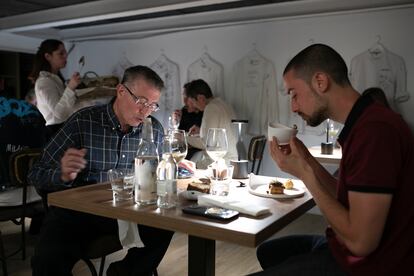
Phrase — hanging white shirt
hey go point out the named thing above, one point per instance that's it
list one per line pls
(170, 99)
(380, 68)
(55, 101)
(254, 92)
(210, 71)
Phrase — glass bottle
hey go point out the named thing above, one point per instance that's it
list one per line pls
(146, 162)
(167, 173)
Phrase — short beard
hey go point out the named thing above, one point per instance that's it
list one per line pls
(319, 115)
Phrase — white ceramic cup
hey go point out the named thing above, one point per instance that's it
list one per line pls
(281, 132)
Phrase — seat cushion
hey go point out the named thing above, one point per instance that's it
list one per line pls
(13, 197)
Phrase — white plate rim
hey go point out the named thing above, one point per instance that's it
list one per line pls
(299, 193)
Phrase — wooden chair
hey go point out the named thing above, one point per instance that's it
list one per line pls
(255, 152)
(20, 202)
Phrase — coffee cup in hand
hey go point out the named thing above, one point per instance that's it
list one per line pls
(281, 132)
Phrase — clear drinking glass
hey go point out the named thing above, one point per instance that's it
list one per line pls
(122, 183)
(216, 143)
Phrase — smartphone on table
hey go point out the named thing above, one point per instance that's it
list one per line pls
(211, 212)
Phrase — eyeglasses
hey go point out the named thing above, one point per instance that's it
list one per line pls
(142, 101)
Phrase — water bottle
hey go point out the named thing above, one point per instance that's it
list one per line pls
(167, 172)
(146, 162)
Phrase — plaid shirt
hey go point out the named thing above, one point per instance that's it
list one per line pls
(96, 129)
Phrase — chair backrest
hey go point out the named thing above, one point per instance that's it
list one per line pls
(20, 163)
(255, 153)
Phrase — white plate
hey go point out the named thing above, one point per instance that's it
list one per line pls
(258, 185)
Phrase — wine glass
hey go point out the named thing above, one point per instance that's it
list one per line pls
(174, 120)
(216, 143)
(178, 145)
(333, 130)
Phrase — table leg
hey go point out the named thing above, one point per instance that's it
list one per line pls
(201, 256)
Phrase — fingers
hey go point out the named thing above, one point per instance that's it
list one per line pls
(72, 163)
(188, 165)
(74, 81)
(194, 130)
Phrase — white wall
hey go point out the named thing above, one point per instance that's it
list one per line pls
(18, 43)
(279, 40)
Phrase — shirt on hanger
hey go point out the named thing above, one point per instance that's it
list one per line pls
(170, 99)
(254, 92)
(380, 68)
(210, 71)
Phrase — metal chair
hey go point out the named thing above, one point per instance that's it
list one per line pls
(255, 152)
(20, 202)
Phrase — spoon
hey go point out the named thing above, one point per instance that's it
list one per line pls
(81, 63)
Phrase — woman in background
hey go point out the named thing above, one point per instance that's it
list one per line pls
(54, 100)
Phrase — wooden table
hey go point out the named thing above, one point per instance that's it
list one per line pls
(333, 159)
(245, 230)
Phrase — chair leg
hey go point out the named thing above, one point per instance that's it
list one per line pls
(102, 265)
(253, 165)
(90, 266)
(23, 238)
(3, 256)
(258, 166)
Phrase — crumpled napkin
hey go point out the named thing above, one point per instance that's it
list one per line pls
(128, 234)
(258, 180)
(232, 203)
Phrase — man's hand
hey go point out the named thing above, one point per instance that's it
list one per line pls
(188, 165)
(72, 163)
(194, 130)
(292, 158)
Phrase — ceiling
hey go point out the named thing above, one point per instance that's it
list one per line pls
(77, 20)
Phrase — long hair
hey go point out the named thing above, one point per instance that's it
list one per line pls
(40, 63)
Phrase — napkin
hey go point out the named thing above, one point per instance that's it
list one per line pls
(257, 180)
(232, 203)
(128, 234)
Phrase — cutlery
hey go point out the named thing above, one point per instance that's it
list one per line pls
(241, 185)
(81, 63)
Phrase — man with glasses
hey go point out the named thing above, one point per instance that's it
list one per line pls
(92, 141)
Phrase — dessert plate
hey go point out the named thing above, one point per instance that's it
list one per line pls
(259, 185)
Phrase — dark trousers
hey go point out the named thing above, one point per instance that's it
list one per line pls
(66, 233)
(297, 255)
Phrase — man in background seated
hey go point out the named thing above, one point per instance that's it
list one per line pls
(188, 116)
(369, 207)
(92, 141)
(217, 114)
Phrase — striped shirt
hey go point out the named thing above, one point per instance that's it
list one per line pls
(98, 130)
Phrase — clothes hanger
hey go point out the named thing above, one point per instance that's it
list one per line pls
(377, 48)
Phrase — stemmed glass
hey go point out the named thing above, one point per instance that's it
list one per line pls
(216, 143)
(332, 130)
(178, 145)
(174, 121)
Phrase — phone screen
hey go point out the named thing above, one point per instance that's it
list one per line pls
(211, 212)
